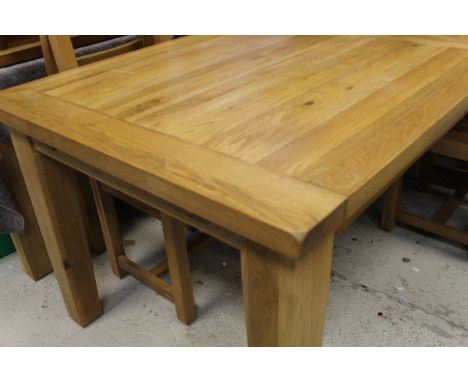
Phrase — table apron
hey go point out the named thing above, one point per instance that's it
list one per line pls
(152, 201)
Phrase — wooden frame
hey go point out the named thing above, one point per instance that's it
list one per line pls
(59, 53)
(453, 145)
(59, 56)
(308, 277)
(16, 49)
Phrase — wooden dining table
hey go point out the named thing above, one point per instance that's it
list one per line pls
(273, 144)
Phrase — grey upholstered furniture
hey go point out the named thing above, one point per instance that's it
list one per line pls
(11, 220)
(16, 213)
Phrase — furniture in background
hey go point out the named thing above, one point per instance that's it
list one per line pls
(59, 51)
(29, 243)
(452, 176)
(249, 139)
(16, 49)
(60, 56)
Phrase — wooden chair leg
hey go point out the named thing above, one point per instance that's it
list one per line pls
(30, 246)
(110, 227)
(93, 227)
(391, 200)
(179, 268)
(180, 290)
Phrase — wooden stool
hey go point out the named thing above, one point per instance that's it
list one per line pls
(59, 56)
(453, 145)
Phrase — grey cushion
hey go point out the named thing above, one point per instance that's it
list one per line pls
(4, 135)
(11, 220)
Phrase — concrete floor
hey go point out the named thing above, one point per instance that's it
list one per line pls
(424, 301)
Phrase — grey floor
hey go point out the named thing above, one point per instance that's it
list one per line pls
(423, 302)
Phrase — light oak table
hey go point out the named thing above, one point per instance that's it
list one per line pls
(271, 144)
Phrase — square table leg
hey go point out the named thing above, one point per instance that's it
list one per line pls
(56, 200)
(285, 300)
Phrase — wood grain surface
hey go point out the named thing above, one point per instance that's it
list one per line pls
(269, 137)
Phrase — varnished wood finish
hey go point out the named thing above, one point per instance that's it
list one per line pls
(62, 53)
(194, 177)
(16, 49)
(147, 277)
(19, 53)
(432, 226)
(180, 289)
(179, 268)
(48, 54)
(53, 189)
(285, 300)
(60, 56)
(270, 143)
(391, 200)
(59, 53)
(110, 227)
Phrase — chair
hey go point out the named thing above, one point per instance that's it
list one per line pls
(29, 244)
(16, 49)
(59, 53)
(59, 56)
(28, 241)
(453, 145)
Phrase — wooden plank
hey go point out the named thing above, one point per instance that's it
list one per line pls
(285, 300)
(153, 202)
(132, 202)
(193, 245)
(92, 224)
(433, 227)
(20, 53)
(154, 282)
(111, 52)
(460, 42)
(297, 93)
(390, 207)
(63, 52)
(53, 189)
(110, 227)
(18, 49)
(48, 54)
(449, 207)
(192, 177)
(179, 268)
(144, 59)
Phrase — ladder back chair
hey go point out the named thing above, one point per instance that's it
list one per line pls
(16, 49)
(59, 56)
(453, 145)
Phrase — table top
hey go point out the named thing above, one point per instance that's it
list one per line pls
(275, 138)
